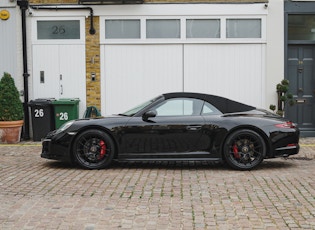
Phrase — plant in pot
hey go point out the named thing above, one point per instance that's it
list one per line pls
(11, 111)
(284, 97)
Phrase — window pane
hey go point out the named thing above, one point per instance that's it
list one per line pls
(163, 28)
(203, 28)
(301, 27)
(209, 109)
(180, 107)
(243, 28)
(122, 28)
(58, 29)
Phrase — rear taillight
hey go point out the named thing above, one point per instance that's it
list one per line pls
(286, 125)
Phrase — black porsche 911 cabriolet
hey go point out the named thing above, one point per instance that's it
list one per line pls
(176, 126)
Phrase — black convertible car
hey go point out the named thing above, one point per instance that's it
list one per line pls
(176, 126)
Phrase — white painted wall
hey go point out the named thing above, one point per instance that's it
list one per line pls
(8, 43)
(275, 50)
(11, 44)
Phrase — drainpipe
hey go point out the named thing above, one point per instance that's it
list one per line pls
(26, 132)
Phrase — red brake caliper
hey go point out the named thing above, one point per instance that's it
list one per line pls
(235, 152)
(103, 149)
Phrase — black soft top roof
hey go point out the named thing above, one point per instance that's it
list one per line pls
(223, 104)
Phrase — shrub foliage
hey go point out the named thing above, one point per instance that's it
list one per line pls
(11, 107)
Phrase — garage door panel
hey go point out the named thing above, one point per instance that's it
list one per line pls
(134, 73)
(230, 70)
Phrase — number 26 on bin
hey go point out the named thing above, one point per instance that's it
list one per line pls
(63, 116)
(39, 113)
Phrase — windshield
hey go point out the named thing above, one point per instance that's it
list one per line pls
(135, 110)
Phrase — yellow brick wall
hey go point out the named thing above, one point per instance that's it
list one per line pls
(93, 88)
(53, 1)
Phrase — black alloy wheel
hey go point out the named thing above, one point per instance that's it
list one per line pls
(244, 149)
(93, 149)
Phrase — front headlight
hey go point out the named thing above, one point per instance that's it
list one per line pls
(64, 127)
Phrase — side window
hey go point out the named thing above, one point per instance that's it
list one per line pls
(163, 28)
(203, 28)
(58, 29)
(243, 28)
(123, 29)
(209, 109)
(180, 107)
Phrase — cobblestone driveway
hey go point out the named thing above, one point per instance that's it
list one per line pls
(40, 194)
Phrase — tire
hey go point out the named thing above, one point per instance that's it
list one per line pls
(244, 149)
(93, 149)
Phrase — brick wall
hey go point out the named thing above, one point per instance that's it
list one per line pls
(93, 88)
(52, 1)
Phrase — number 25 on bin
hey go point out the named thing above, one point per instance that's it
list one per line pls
(63, 116)
(39, 113)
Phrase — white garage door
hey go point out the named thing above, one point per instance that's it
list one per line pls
(135, 73)
(143, 56)
(234, 71)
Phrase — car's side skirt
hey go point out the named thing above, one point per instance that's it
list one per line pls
(189, 156)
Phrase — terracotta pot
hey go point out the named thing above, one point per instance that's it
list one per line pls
(10, 131)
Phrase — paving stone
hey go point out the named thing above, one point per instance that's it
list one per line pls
(36, 193)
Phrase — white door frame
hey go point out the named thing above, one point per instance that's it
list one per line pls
(80, 42)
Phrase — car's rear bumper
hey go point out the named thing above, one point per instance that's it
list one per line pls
(287, 151)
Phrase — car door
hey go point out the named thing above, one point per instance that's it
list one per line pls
(174, 127)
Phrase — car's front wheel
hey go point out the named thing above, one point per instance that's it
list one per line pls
(93, 149)
(244, 149)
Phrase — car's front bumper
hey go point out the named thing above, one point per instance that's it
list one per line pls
(55, 149)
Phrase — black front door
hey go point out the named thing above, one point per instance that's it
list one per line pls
(301, 74)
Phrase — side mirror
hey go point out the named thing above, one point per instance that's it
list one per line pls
(148, 114)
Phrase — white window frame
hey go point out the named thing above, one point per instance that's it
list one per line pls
(182, 39)
(263, 29)
(35, 40)
(205, 18)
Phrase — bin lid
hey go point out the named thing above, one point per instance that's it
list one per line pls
(66, 101)
(41, 101)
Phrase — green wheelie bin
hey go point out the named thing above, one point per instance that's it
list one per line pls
(66, 109)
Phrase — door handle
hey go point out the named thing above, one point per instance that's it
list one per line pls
(193, 127)
(300, 69)
(61, 89)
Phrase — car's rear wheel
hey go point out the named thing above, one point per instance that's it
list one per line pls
(93, 149)
(244, 149)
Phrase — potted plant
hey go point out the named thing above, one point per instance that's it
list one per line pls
(11, 111)
(284, 97)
